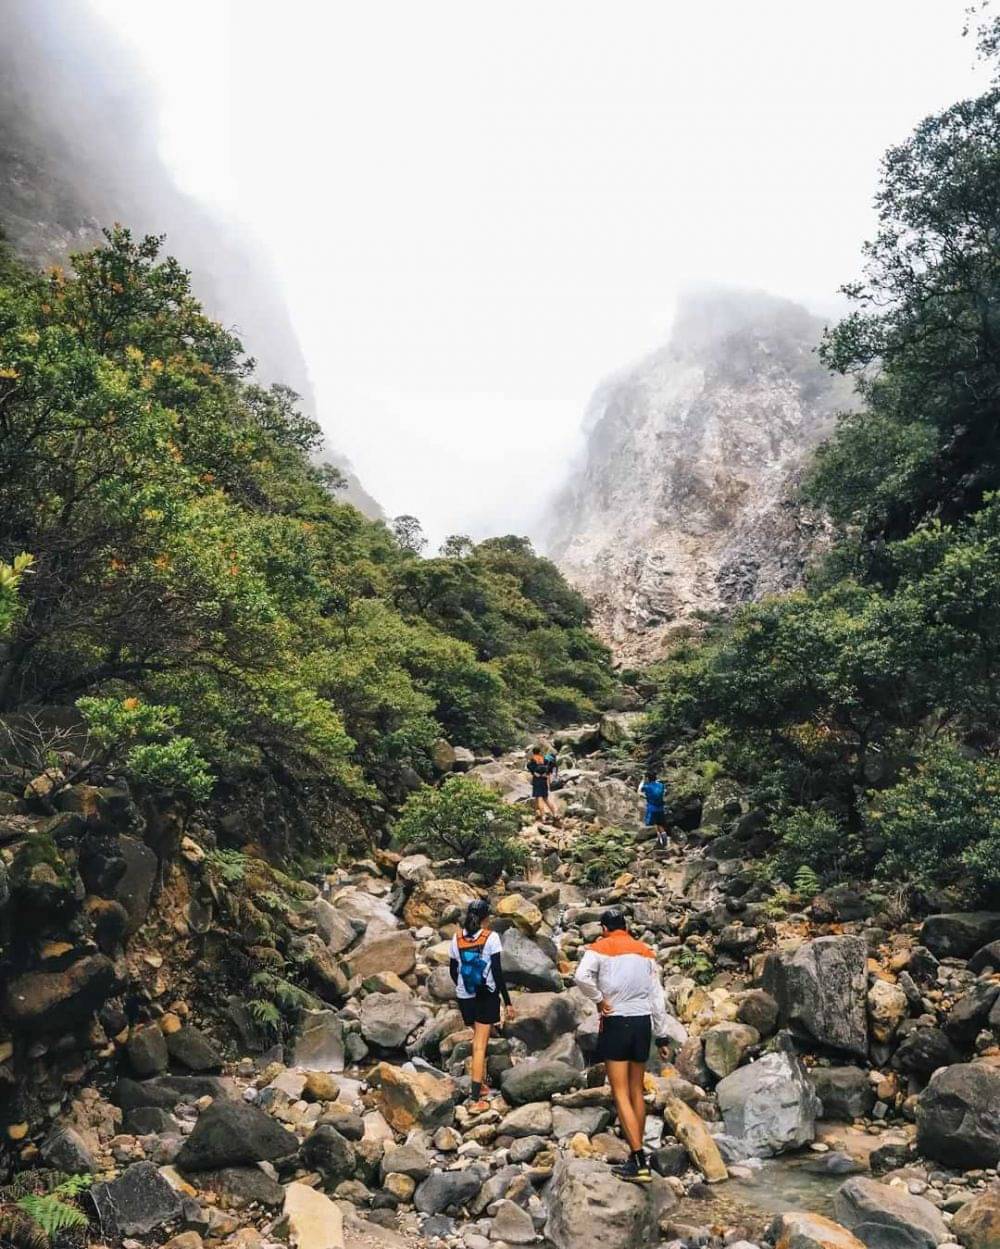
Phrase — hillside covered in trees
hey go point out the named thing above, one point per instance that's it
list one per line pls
(861, 714)
(176, 567)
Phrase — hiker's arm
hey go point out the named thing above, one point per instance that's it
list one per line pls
(498, 978)
(639, 790)
(586, 976)
(453, 968)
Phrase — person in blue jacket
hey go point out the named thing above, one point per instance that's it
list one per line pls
(655, 793)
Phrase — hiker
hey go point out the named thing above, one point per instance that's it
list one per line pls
(541, 770)
(552, 759)
(477, 974)
(654, 791)
(620, 975)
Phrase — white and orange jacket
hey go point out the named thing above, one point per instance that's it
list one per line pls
(621, 971)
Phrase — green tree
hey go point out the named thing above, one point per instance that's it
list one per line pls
(463, 819)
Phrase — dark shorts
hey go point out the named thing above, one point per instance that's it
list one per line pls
(656, 816)
(539, 788)
(483, 1008)
(625, 1039)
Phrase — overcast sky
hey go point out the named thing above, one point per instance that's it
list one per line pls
(477, 211)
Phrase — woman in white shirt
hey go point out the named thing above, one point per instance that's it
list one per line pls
(477, 973)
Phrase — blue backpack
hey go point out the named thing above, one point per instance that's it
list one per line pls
(471, 963)
(654, 791)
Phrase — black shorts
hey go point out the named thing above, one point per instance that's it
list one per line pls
(483, 1008)
(656, 817)
(539, 788)
(625, 1038)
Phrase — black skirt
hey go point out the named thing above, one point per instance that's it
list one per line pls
(625, 1039)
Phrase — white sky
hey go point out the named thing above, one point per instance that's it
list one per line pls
(478, 211)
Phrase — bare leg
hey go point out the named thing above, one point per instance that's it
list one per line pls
(636, 1072)
(480, 1040)
(618, 1078)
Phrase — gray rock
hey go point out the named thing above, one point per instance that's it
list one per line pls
(512, 1224)
(971, 1013)
(330, 1153)
(136, 1203)
(526, 1147)
(525, 963)
(334, 925)
(243, 1186)
(387, 1019)
(147, 1050)
(958, 1116)
(536, 1080)
(135, 888)
(406, 1160)
(320, 1045)
(987, 956)
(445, 1190)
(587, 1119)
(960, 933)
(147, 1121)
(541, 1017)
(923, 1050)
(888, 1218)
(193, 1050)
(821, 991)
(770, 1105)
(846, 1092)
(64, 1149)
(230, 1134)
(531, 1119)
(725, 1045)
(589, 1208)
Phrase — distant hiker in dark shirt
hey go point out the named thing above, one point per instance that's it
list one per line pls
(655, 792)
(477, 974)
(552, 759)
(541, 770)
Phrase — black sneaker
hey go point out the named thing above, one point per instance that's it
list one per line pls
(634, 1171)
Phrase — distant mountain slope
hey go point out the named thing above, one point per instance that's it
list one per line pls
(78, 150)
(683, 502)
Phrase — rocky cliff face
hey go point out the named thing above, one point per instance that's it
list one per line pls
(78, 151)
(684, 501)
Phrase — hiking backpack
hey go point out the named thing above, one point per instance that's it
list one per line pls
(654, 791)
(471, 962)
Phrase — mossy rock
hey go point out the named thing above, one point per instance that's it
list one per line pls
(41, 883)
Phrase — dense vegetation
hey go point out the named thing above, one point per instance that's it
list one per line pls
(192, 585)
(861, 715)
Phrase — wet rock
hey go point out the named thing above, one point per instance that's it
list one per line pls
(445, 1190)
(693, 1134)
(537, 1080)
(394, 952)
(314, 1221)
(411, 1099)
(889, 1157)
(320, 1044)
(57, 1001)
(977, 1223)
(923, 1050)
(136, 1203)
(526, 965)
(770, 1105)
(959, 934)
(325, 1150)
(887, 1217)
(845, 1092)
(432, 900)
(958, 1116)
(192, 1049)
(589, 1208)
(802, 1230)
(147, 1050)
(725, 1046)
(820, 989)
(387, 1019)
(230, 1134)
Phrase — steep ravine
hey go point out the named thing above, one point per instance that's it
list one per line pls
(837, 1060)
(684, 501)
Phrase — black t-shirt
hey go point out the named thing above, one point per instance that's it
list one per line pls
(540, 770)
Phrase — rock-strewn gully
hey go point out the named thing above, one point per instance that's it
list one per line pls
(835, 1082)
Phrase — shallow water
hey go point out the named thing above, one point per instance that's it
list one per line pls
(785, 1184)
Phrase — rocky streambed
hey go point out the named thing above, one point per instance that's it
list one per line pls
(838, 1084)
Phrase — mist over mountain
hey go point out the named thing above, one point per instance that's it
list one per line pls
(684, 499)
(79, 151)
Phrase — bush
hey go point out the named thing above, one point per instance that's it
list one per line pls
(598, 857)
(463, 819)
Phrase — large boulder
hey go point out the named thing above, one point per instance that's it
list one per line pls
(923, 1051)
(394, 951)
(446, 1190)
(410, 1099)
(433, 900)
(725, 1045)
(364, 911)
(971, 1012)
(325, 1150)
(320, 1044)
(986, 957)
(193, 1050)
(313, 1220)
(958, 934)
(232, 1134)
(589, 1208)
(797, 1229)
(135, 888)
(138, 1202)
(541, 1017)
(387, 1019)
(526, 965)
(820, 989)
(334, 925)
(886, 1217)
(769, 1105)
(958, 1116)
(977, 1223)
(537, 1080)
(57, 1001)
(846, 1093)
(147, 1050)
(524, 914)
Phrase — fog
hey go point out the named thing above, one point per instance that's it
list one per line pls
(476, 212)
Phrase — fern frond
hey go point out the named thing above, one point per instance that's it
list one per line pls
(52, 1214)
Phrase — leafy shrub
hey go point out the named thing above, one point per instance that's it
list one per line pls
(141, 738)
(693, 962)
(465, 819)
(806, 882)
(599, 856)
